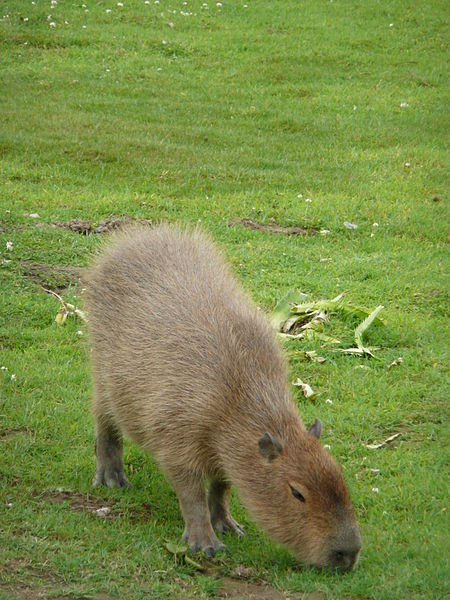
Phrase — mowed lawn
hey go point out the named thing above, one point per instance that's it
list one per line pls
(311, 114)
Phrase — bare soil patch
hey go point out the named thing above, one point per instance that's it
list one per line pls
(11, 432)
(89, 227)
(53, 277)
(273, 227)
(98, 507)
(250, 590)
(32, 583)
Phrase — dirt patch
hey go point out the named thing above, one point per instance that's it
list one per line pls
(98, 507)
(53, 277)
(273, 227)
(81, 503)
(6, 434)
(248, 590)
(89, 227)
(31, 583)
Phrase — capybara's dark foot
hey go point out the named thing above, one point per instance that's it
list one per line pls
(207, 543)
(226, 524)
(110, 477)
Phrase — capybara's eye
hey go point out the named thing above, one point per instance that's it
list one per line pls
(297, 494)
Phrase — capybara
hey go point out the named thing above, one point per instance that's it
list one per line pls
(187, 367)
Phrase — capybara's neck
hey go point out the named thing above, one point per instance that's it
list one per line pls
(258, 411)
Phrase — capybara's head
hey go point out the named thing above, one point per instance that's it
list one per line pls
(305, 504)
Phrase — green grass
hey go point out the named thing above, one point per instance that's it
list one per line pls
(239, 112)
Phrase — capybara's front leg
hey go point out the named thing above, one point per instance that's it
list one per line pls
(191, 493)
(109, 450)
(219, 508)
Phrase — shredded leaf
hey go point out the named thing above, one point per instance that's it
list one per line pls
(307, 390)
(282, 310)
(175, 548)
(193, 563)
(61, 315)
(301, 320)
(385, 442)
(181, 550)
(66, 309)
(394, 363)
(312, 355)
(364, 326)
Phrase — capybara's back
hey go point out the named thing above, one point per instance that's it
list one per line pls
(169, 327)
(186, 366)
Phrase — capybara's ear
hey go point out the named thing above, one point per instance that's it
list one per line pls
(316, 429)
(269, 447)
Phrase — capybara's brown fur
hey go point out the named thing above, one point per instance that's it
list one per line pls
(188, 368)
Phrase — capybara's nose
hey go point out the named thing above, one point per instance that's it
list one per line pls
(346, 557)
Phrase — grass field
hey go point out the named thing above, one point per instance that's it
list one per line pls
(308, 113)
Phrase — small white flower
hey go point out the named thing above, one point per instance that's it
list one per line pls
(9, 246)
(108, 10)
(375, 490)
(147, 2)
(49, 17)
(404, 105)
(52, 24)
(159, 69)
(156, 1)
(164, 42)
(120, 4)
(328, 401)
(375, 224)
(299, 195)
(391, 24)
(407, 165)
(13, 377)
(327, 446)
(108, 70)
(218, 3)
(9, 504)
(66, 22)
(79, 332)
(355, 107)
(324, 231)
(25, 19)
(3, 368)
(374, 471)
(308, 200)
(83, 26)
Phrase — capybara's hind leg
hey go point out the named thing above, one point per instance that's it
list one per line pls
(191, 493)
(109, 451)
(219, 508)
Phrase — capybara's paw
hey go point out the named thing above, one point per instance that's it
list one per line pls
(226, 524)
(110, 477)
(208, 543)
